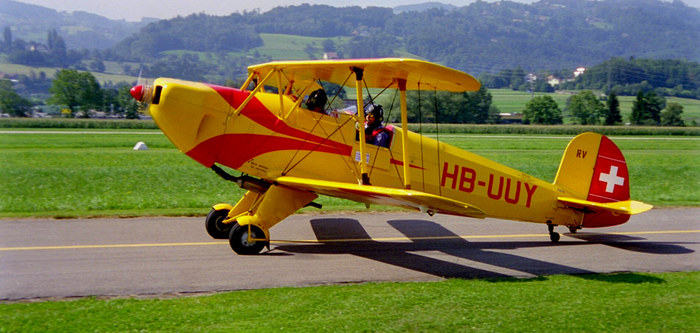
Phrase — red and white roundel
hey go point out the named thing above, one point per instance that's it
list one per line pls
(610, 181)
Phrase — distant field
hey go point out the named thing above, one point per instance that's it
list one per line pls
(510, 101)
(97, 173)
(288, 47)
(51, 73)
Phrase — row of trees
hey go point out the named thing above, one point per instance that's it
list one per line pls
(648, 109)
(77, 93)
(11, 102)
(472, 107)
(625, 77)
(678, 78)
(53, 53)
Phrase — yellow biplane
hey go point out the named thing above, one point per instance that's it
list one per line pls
(289, 151)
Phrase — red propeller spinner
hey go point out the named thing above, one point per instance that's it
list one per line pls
(137, 92)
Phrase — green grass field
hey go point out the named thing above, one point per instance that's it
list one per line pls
(627, 302)
(96, 173)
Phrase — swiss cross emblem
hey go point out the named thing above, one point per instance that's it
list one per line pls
(611, 179)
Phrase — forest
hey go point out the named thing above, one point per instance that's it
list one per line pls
(627, 46)
(481, 37)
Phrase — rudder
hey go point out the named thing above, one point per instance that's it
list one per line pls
(594, 169)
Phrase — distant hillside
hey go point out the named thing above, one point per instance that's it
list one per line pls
(551, 34)
(480, 37)
(79, 29)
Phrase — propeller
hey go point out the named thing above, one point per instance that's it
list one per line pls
(142, 91)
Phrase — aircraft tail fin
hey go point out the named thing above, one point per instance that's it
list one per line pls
(594, 171)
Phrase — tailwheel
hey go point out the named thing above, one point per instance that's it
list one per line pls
(553, 235)
(213, 223)
(574, 229)
(238, 239)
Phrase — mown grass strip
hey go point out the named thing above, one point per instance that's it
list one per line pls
(629, 302)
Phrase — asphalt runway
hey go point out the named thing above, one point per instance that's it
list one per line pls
(162, 255)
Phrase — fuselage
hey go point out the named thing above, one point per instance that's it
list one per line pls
(273, 136)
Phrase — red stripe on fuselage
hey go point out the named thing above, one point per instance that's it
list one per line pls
(233, 150)
(261, 115)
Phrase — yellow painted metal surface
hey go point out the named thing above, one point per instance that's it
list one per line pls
(378, 73)
(272, 137)
(577, 164)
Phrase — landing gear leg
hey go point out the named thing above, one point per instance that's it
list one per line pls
(553, 235)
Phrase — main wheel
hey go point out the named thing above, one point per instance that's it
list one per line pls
(554, 237)
(215, 228)
(238, 239)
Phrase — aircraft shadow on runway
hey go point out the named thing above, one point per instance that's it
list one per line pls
(632, 243)
(347, 236)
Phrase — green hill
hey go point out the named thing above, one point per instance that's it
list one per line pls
(80, 30)
(480, 37)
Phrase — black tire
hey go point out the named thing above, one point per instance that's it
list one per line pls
(238, 239)
(215, 228)
(573, 230)
(554, 237)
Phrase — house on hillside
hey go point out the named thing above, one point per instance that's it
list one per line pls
(330, 56)
(553, 80)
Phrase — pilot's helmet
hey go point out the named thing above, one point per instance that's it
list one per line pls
(317, 100)
(375, 110)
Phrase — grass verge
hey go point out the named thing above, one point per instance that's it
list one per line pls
(631, 302)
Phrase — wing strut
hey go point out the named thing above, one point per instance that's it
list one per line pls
(361, 120)
(404, 135)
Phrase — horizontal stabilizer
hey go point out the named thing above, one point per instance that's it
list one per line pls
(627, 207)
(384, 196)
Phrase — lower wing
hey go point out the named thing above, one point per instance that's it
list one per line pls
(384, 196)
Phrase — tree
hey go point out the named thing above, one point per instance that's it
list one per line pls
(517, 78)
(11, 102)
(494, 115)
(646, 109)
(76, 90)
(127, 103)
(586, 107)
(328, 45)
(612, 110)
(671, 116)
(479, 104)
(542, 110)
(7, 38)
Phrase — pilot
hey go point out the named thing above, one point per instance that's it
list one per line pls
(375, 132)
(317, 101)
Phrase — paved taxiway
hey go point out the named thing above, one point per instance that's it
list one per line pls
(161, 255)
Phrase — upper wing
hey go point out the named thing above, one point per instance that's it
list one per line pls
(384, 196)
(378, 73)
